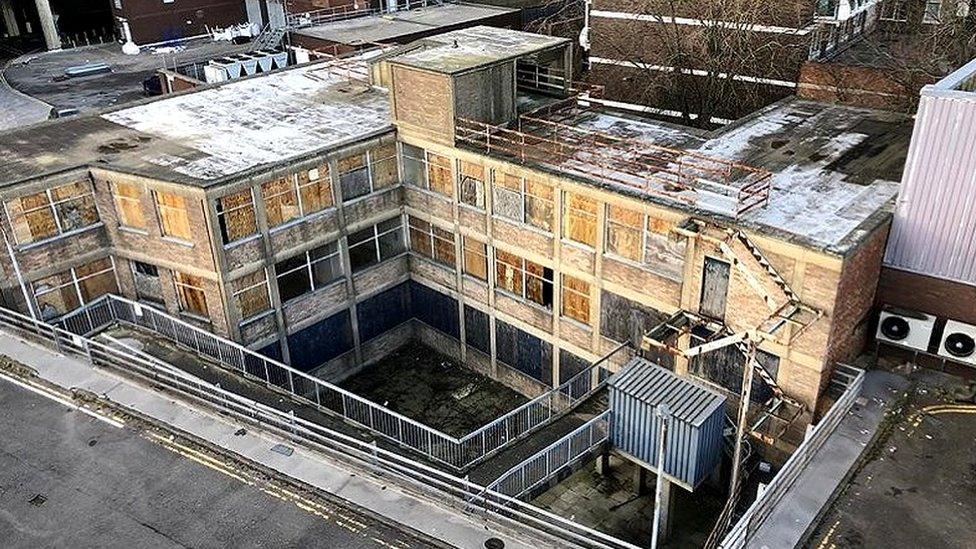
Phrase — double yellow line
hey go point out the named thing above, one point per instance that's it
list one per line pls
(936, 409)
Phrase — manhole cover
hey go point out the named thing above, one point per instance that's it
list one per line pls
(494, 543)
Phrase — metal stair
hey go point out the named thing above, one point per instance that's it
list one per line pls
(269, 39)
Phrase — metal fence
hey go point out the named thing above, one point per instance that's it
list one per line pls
(545, 464)
(349, 449)
(754, 517)
(434, 444)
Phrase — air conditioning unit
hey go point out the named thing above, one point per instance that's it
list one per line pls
(905, 328)
(959, 342)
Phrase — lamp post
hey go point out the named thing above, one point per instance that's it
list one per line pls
(663, 414)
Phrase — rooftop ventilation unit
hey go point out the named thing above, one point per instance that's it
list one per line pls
(232, 66)
(959, 342)
(905, 328)
(214, 73)
(250, 64)
(265, 61)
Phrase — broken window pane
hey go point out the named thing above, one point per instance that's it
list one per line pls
(472, 185)
(538, 205)
(235, 215)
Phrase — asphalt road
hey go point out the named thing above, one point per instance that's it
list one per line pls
(70, 480)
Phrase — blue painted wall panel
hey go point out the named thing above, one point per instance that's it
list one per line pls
(477, 330)
(321, 342)
(383, 312)
(435, 309)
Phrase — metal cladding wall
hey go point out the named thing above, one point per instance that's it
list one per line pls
(934, 230)
(694, 442)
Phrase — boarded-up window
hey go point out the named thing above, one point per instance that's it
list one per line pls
(664, 254)
(55, 211)
(189, 291)
(251, 294)
(579, 219)
(431, 241)
(128, 205)
(383, 166)
(315, 189)
(538, 205)
(60, 293)
(354, 177)
(475, 258)
(507, 198)
(235, 215)
(440, 175)
(148, 286)
(281, 200)
(625, 232)
(523, 278)
(472, 185)
(576, 299)
(173, 218)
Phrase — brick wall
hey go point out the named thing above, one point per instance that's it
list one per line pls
(861, 86)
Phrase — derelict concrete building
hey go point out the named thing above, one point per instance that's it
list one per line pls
(460, 191)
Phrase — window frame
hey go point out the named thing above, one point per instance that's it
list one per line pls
(118, 198)
(567, 207)
(523, 272)
(524, 198)
(51, 205)
(309, 267)
(427, 166)
(588, 297)
(481, 184)
(482, 253)
(433, 234)
(222, 214)
(375, 240)
(160, 207)
(180, 300)
(74, 283)
(267, 294)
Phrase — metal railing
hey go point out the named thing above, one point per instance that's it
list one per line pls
(458, 453)
(754, 517)
(548, 462)
(351, 450)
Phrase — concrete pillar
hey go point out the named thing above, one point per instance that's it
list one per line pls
(603, 463)
(667, 505)
(9, 18)
(51, 37)
(640, 481)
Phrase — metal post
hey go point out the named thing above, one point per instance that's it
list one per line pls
(664, 417)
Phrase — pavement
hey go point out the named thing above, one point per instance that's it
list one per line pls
(917, 485)
(68, 479)
(18, 109)
(40, 75)
(800, 507)
(387, 500)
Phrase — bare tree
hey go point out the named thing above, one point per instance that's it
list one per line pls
(708, 69)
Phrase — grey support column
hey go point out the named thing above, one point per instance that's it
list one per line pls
(51, 37)
(9, 18)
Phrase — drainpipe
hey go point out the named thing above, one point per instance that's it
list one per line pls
(51, 38)
(663, 414)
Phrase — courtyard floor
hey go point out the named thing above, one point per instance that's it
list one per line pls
(427, 386)
(610, 504)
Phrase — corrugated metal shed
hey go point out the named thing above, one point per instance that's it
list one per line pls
(694, 445)
(935, 218)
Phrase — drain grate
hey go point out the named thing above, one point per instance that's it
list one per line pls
(37, 500)
(494, 543)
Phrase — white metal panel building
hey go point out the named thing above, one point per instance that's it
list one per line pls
(934, 228)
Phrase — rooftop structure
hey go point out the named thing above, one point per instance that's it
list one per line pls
(401, 26)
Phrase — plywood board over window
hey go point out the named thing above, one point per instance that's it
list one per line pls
(235, 215)
(475, 258)
(60, 293)
(315, 189)
(128, 205)
(579, 219)
(625, 230)
(192, 298)
(52, 212)
(431, 241)
(251, 294)
(173, 217)
(439, 174)
(539, 205)
(281, 200)
(472, 185)
(576, 299)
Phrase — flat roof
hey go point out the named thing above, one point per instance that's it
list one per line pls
(205, 136)
(391, 26)
(835, 170)
(469, 48)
